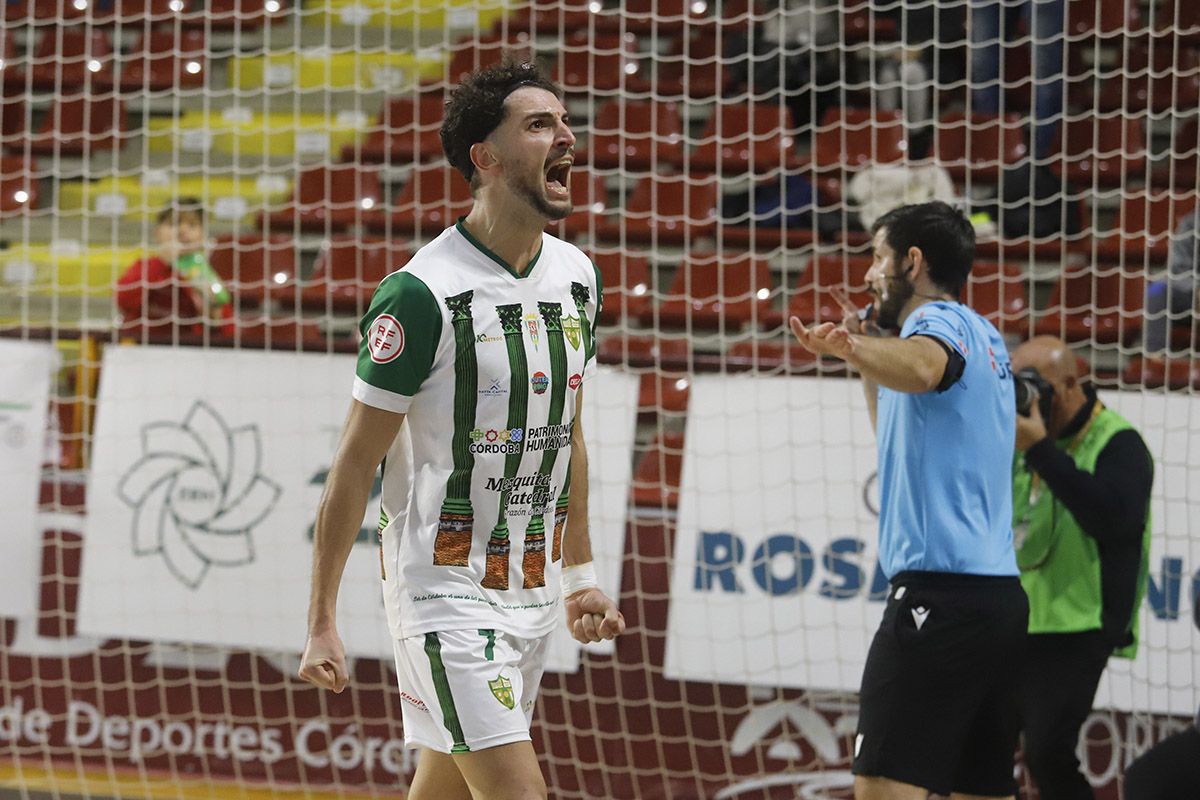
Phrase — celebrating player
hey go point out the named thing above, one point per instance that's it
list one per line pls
(469, 384)
(939, 690)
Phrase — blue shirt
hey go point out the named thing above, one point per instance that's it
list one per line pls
(945, 458)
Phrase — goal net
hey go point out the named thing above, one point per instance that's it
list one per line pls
(167, 421)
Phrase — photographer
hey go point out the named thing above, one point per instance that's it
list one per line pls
(1081, 498)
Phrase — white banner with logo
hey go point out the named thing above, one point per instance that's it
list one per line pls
(254, 434)
(25, 372)
(776, 581)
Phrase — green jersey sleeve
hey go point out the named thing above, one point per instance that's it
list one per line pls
(400, 335)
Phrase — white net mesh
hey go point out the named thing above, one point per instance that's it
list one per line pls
(732, 156)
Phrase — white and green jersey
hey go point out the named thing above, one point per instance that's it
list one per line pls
(486, 364)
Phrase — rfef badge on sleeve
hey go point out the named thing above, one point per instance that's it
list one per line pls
(385, 339)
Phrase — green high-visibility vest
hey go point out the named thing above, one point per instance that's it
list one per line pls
(1059, 563)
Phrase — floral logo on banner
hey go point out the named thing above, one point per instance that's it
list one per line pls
(197, 493)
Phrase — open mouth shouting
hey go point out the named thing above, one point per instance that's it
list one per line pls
(558, 179)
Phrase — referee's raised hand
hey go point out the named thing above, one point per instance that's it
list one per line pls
(853, 318)
(825, 339)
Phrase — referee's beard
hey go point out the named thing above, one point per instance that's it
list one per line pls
(892, 301)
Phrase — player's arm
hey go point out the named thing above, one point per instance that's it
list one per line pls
(366, 436)
(591, 614)
(914, 365)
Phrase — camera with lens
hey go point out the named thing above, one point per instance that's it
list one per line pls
(1032, 388)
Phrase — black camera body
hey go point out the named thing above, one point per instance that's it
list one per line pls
(1032, 388)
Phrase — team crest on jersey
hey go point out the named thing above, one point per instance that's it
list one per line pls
(502, 691)
(573, 331)
(385, 339)
(532, 323)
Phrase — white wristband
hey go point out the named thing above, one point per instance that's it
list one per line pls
(578, 577)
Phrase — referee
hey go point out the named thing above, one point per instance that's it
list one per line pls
(940, 687)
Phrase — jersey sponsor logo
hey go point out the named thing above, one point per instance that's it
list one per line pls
(575, 380)
(548, 437)
(528, 495)
(573, 331)
(532, 325)
(504, 440)
(540, 382)
(483, 338)
(385, 339)
(415, 702)
(495, 389)
(502, 690)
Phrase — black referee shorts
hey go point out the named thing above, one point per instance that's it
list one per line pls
(940, 688)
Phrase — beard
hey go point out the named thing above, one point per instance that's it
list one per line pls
(898, 294)
(535, 196)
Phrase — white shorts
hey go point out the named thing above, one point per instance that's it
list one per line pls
(468, 690)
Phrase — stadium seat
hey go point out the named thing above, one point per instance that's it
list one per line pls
(1096, 306)
(662, 18)
(771, 356)
(589, 196)
(975, 147)
(662, 351)
(1166, 79)
(1142, 228)
(1178, 18)
(558, 18)
(668, 209)
(602, 63)
(432, 199)
(779, 210)
(331, 198)
(657, 475)
(347, 271)
(139, 13)
(1108, 151)
(407, 130)
(725, 291)
(68, 58)
(256, 268)
(237, 15)
(18, 187)
(271, 333)
(1179, 167)
(470, 54)
(1000, 293)
(1152, 373)
(812, 300)
(862, 23)
(692, 67)
(663, 393)
(1103, 18)
(853, 137)
(627, 285)
(740, 138)
(17, 12)
(13, 122)
(166, 59)
(637, 135)
(80, 126)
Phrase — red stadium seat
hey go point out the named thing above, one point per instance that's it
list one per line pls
(1168, 78)
(407, 130)
(166, 59)
(662, 17)
(852, 137)
(237, 15)
(19, 11)
(977, 146)
(432, 199)
(1142, 228)
(1179, 18)
(1109, 151)
(726, 291)
(672, 353)
(692, 67)
(80, 126)
(635, 135)
(603, 63)
(1104, 18)
(470, 54)
(861, 23)
(67, 58)
(13, 122)
(669, 209)
(999, 292)
(771, 356)
(18, 187)
(256, 268)
(589, 196)
(627, 285)
(1153, 373)
(331, 198)
(1089, 305)
(739, 138)
(347, 272)
(812, 300)
(558, 18)
(657, 475)
(1180, 166)
(269, 333)
(663, 393)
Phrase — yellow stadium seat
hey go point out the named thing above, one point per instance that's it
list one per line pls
(64, 269)
(415, 14)
(243, 132)
(236, 200)
(319, 69)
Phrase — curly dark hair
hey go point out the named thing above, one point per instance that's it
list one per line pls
(476, 108)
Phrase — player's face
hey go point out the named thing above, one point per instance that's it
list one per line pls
(888, 281)
(535, 148)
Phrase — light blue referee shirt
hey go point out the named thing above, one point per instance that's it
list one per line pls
(945, 458)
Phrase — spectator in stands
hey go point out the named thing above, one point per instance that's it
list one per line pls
(992, 23)
(1171, 769)
(1081, 513)
(878, 188)
(176, 286)
(1179, 293)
